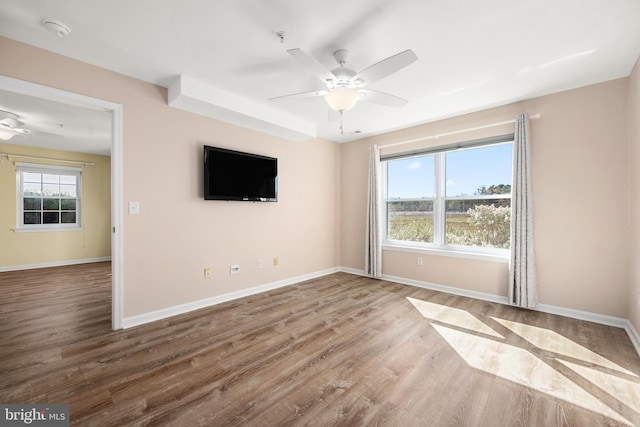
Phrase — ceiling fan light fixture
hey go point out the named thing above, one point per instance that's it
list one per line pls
(342, 98)
(6, 133)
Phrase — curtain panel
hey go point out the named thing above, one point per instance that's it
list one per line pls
(373, 240)
(522, 265)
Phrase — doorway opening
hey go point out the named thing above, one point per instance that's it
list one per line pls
(17, 86)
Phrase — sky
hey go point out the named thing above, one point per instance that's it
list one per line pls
(466, 171)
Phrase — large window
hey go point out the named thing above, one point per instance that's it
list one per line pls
(451, 199)
(48, 197)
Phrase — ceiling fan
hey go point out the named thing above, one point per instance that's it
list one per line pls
(10, 126)
(345, 87)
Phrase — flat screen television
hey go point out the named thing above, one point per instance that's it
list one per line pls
(234, 175)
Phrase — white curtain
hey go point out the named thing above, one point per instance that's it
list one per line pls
(373, 254)
(522, 266)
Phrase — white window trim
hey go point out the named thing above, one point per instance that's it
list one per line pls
(41, 168)
(481, 254)
(468, 252)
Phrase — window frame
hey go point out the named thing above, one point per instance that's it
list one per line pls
(22, 168)
(439, 246)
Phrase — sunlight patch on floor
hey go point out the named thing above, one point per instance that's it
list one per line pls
(628, 392)
(552, 341)
(452, 316)
(520, 366)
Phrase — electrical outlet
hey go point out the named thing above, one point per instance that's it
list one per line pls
(260, 263)
(207, 273)
(275, 261)
(234, 269)
(420, 261)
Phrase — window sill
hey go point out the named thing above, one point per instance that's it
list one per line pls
(501, 256)
(45, 229)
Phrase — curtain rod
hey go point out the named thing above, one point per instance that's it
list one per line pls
(455, 132)
(75, 162)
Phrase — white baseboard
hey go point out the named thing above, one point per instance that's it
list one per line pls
(432, 286)
(617, 322)
(164, 313)
(152, 316)
(633, 334)
(448, 289)
(54, 264)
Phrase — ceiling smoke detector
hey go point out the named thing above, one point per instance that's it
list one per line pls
(58, 28)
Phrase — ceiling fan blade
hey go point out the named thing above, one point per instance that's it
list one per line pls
(10, 122)
(311, 64)
(386, 67)
(31, 132)
(302, 95)
(382, 98)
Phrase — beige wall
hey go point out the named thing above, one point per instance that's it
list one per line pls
(26, 249)
(579, 150)
(177, 233)
(634, 196)
(580, 169)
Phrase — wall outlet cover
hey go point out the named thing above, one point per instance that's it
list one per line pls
(134, 208)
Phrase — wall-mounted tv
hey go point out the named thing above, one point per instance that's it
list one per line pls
(234, 175)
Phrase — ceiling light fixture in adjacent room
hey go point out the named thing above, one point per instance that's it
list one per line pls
(6, 133)
(58, 28)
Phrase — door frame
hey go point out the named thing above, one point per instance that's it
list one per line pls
(58, 95)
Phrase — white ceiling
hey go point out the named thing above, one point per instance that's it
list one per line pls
(58, 126)
(471, 54)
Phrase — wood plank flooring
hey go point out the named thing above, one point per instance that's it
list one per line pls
(341, 350)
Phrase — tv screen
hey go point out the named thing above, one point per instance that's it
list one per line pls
(234, 175)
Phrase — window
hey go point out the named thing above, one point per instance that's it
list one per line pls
(48, 197)
(456, 198)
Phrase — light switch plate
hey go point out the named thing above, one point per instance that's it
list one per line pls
(134, 208)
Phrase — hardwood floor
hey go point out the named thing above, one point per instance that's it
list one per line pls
(338, 350)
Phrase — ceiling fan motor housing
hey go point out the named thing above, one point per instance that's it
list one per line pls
(343, 77)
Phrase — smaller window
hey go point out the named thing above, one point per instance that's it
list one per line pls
(48, 197)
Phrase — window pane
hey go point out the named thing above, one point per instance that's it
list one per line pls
(51, 204)
(410, 221)
(483, 170)
(50, 218)
(50, 189)
(50, 179)
(31, 204)
(32, 189)
(32, 177)
(411, 178)
(68, 190)
(31, 218)
(68, 179)
(485, 223)
(68, 217)
(68, 204)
